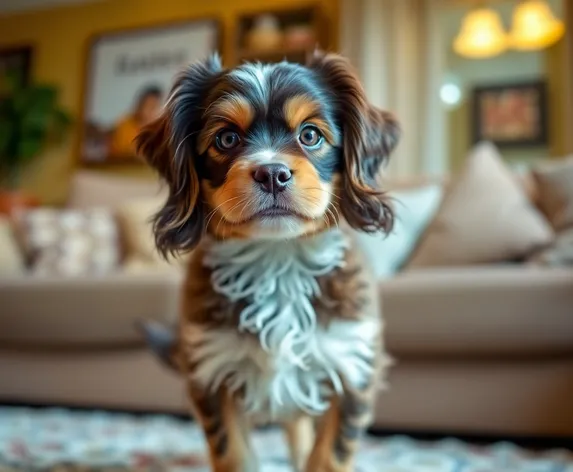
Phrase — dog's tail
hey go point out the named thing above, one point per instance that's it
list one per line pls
(162, 340)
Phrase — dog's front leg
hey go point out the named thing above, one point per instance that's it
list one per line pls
(226, 431)
(339, 432)
(300, 437)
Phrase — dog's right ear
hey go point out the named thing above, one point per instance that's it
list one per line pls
(369, 136)
(168, 144)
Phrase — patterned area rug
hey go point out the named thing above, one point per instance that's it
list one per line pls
(65, 441)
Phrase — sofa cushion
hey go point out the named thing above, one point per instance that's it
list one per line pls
(485, 217)
(555, 184)
(84, 312)
(487, 311)
(98, 189)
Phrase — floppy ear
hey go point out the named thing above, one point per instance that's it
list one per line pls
(169, 145)
(369, 136)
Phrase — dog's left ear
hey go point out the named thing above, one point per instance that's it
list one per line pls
(369, 136)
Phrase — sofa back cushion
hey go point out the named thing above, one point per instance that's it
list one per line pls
(97, 189)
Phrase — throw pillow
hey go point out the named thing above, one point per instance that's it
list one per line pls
(414, 209)
(134, 218)
(485, 217)
(11, 258)
(555, 184)
(70, 242)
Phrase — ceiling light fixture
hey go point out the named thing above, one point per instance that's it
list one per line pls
(534, 26)
(482, 35)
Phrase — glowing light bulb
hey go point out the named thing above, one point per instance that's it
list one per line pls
(481, 35)
(534, 26)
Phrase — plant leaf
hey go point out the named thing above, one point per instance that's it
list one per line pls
(29, 148)
(43, 97)
(6, 130)
(29, 119)
(35, 120)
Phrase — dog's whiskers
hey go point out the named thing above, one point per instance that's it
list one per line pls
(332, 194)
(224, 216)
(212, 213)
(334, 219)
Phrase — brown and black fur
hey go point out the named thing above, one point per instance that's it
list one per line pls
(342, 175)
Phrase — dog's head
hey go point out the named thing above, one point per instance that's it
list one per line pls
(268, 151)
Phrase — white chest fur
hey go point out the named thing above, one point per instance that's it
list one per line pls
(278, 354)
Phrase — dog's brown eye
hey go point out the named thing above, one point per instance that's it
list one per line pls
(227, 139)
(310, 137)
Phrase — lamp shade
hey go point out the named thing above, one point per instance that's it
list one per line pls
(481, 35)
(534, 26)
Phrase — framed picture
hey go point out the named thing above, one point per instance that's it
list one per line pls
(128, 76)
(15, 65)
(511, 115)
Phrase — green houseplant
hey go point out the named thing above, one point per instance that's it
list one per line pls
(30, 121)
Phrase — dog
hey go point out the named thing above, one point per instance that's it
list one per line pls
(267, 167)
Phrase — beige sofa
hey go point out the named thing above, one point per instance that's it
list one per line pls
(485, 350)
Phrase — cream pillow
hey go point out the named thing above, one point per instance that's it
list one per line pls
(11, 258)
(485, 217)
(134, 217)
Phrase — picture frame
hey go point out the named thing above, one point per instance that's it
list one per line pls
(511, 114)
(16, 62)
(128, 75)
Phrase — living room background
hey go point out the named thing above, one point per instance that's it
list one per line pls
(475, 278)
(403, 64)
(60, 38)
(512, 66)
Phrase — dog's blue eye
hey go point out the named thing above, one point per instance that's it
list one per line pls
(227, 139)
(310, 136)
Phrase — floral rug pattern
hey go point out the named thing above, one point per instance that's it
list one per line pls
(70, 441)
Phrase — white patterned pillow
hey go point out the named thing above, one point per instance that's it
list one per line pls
(70, 242)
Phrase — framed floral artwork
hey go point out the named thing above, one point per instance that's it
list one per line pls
(511, 115)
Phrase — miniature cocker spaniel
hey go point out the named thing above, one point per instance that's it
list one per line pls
(265, 165)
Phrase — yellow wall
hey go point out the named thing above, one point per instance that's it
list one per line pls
(557, 89)
(60, 38)
(569, 76)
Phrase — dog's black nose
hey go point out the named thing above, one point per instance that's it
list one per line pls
(273, 178)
